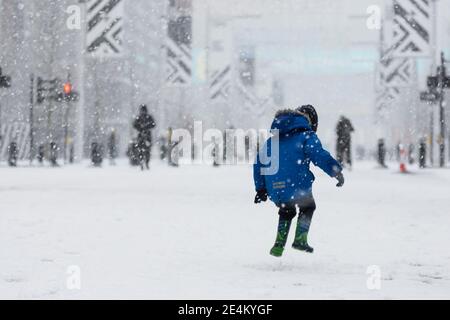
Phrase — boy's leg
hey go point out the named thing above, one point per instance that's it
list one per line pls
(307, 208)
(286, 213)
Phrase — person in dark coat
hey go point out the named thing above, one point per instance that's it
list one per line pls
(290, 185)
(411, 148)
(382, 153)
(54, 154)
(422, 153)
(162, 142)
(144, 123)
(41, 154)
(96, 154)
(172, 152)
(344, 130)
(397, 151)
(12, 154)
(112, 147)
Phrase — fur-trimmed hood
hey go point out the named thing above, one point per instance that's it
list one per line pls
(288, 120)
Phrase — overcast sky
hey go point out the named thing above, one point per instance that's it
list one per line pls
(323, 48)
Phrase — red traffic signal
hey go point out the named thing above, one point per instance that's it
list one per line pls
(67, 88)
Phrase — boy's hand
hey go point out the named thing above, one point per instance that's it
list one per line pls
(261, 196)
(340, 179)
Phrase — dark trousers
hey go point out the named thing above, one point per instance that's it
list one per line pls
(145, 148)
(287, 212)
(306, 206)
(344, 154)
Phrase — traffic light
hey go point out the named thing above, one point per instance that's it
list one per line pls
(431, 96)
(46, 89)
(432, 82)
(5, 81)
(67, 94)
(56, 90)
(67, 88)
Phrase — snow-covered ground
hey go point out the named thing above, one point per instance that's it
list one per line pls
(194, 233)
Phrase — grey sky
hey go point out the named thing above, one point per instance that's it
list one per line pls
(324, 50)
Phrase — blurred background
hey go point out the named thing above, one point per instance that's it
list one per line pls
(79, 70)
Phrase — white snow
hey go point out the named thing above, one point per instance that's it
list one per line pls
(194, 233)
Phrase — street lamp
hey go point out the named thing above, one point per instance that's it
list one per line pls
(436, 86)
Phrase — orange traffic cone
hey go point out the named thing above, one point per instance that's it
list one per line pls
(403, 168)
(403, 159)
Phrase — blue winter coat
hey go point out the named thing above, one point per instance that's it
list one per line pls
(298, 146)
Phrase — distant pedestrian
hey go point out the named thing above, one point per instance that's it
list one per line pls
(411, 148)
(41, 154)
(162, 141)
(398, 151)
(112, 147)
(215, 153)
(133, 153)
(344, 130)
(72, 154)
(382, 153)
(53, 154)
(12, 154)
(96, 154)
(172, 152)
(144, 124)
(422, 153)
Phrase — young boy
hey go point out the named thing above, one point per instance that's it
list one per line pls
(291, 185)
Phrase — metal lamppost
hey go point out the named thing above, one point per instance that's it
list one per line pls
(436, 94)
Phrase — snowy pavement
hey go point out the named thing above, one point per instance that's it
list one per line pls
(194, 233)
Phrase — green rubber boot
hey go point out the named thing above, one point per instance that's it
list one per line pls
(282, 235)
(301, 235)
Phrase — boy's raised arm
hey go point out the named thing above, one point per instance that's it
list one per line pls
(320, 157)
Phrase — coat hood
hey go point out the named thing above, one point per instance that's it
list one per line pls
(289, 120)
